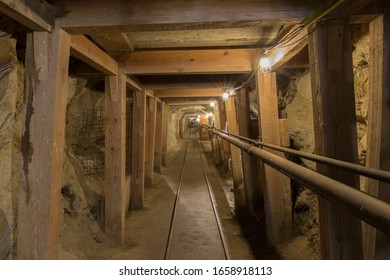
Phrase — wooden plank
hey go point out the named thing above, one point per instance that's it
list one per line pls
(138, 151)
(277, 204)
(224, 145)
(165, 115)
(82, 17)
(189, 61)
(236, 163)
(85, 50)
(21, 11)
(378, 148)
(250, 165)
(113, 42)
(43, 137)
(197, 92)
(231, 117)
(115, 158)
(330, 54)
(151, 112)
(285, 53)
(133, 83)
(159, 132)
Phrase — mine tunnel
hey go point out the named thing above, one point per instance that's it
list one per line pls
(194, 130)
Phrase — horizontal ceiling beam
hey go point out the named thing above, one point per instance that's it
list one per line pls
(178, 93)
(133, 83)
(88, 52)
(20, 11)
(82, 17)
(292, 48)
(113, 42)
(189, 62)
(188, 102)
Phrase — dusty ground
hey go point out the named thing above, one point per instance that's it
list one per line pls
(147, 230)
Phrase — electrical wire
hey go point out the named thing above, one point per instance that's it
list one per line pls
(287, 40)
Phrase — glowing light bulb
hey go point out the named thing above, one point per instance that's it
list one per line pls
(207, 115)
(225, 95)
(212, 104)
(279, 55)
(210, 114)
(265, 64)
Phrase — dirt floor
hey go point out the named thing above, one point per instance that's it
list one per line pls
(147, 230)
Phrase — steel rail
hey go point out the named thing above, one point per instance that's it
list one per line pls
(373, 173)
(368, 208)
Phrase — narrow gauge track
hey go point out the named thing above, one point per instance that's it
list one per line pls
(195, 230)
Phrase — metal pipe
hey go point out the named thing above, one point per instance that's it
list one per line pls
(368, 208)
(373, 173)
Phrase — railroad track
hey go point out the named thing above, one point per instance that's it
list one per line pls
(195, 230)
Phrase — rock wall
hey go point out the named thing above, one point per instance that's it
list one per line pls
(360, 56)
(11, 98)
(176, 114)
(82, 191)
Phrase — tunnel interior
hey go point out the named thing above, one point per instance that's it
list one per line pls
(119, 158)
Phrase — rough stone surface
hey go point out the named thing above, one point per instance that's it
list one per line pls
(360, 56)
(11, 98)
(176, 114)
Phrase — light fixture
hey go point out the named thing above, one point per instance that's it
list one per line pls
(279, 55)
(212, 104)
(210, 114)
(225, 96)
(265, 64)
(207, 115)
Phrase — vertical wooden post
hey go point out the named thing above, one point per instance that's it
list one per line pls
(138, 151)
(115, 158)
(150, 139)
(239, 196)
(44, 108)
(250, 166)
(376, 244)
(165, 116)
(225, 147)
(330, 54)
(158, 138)
(277, 198)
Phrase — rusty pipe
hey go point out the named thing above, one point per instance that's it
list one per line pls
(368, 208)
(373, 173)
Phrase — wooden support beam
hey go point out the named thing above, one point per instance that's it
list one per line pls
(82, 17)
(197, 92)
(21, 11)
(330, 54)
(113, 42)
(285, 54)
(165, 115)
(277, 204)
(115, 158)
(235, 152)
(151, 111)
(223, 144)
(236, 163)
(376, 244)
(189, 61)
(250, 165)
(158, 137)
(43, 137)
(87, 51)
(138, 151)
(133, 83)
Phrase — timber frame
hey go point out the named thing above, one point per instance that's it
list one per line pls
(116, 59)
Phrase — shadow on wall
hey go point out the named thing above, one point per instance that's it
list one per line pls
(5, 237)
